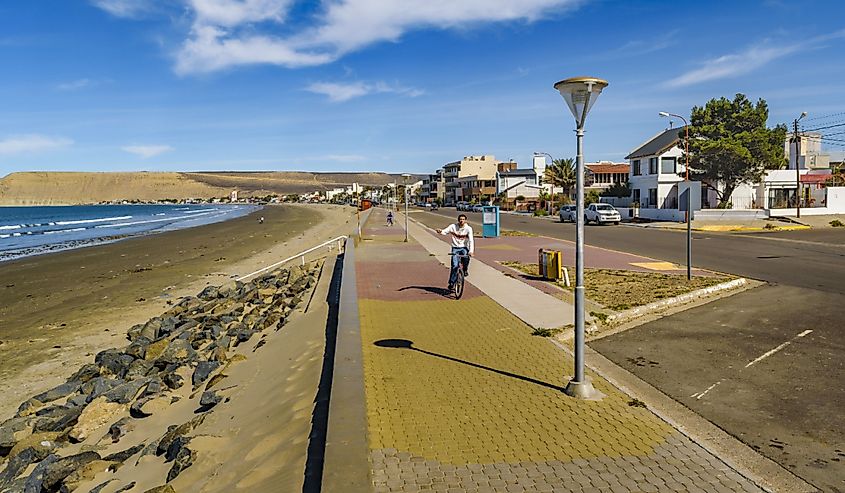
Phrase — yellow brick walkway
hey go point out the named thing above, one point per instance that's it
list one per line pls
(461, 397)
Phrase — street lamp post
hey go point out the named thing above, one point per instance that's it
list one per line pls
(580, 93)
(689, 191)
(405, 177)
(797, 140)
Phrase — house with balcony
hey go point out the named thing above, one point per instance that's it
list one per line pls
(604, 174)
(433, 187)
(456, 177)
(654, 171)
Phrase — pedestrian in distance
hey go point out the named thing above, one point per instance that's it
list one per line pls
(463, 246)
(390, 218)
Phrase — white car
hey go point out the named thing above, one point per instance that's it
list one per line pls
(601, 213)
(567, 213)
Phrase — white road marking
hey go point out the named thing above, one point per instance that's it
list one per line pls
(699, 395)
(773, 351)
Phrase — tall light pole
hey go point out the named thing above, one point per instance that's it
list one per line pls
(405, 177)
(797, 141)
(689, 191)
(580, 93)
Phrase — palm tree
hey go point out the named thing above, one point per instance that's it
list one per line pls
(561, 173)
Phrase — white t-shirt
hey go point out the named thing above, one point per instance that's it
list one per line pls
(461, 237)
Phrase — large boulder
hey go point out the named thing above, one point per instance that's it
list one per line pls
(58, 420)
(18, 463)
(203, 371)
(97, 414)
(58, 470)
(58, 392)
(113, 362)
(178, 352)
(86, 373)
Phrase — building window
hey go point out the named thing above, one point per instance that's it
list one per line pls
(652, 196)
(668, 165)
(652, 165)
(635, 195)
(635, 164)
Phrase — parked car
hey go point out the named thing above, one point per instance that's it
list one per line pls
(601, 213)
(434, 206)
(476, 208)
(567, 213)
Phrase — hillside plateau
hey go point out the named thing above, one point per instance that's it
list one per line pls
(70, 188)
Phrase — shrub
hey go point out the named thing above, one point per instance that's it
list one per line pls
(541, 212)
(836, 223)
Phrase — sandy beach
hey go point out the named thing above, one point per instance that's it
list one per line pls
(58, 310)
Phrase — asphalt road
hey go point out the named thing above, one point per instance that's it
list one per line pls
(767, 365)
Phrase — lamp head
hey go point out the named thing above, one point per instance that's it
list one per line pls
(803, 114)
(664, 114)
(580, 93)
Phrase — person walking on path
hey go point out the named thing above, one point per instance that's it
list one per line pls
(389, 218)
(463, 246)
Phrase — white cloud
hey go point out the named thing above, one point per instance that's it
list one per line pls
(229, 33)
(147, 151)
(232, 13)
(123, 8)
(747, 61)
(75, 85)
(353, 24)
(19, 144)
(344, 92)
(211, 49)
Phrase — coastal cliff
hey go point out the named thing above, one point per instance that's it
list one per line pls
(70, 188)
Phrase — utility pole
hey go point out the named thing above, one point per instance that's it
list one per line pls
(797, 141)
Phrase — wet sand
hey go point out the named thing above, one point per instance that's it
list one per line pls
(58, 310)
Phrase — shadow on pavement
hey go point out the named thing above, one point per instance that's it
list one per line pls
(406, 344)
(431, 289)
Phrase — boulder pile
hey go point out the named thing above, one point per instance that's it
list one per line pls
(54, 441)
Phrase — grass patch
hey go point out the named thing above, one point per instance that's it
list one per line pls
(636, 403)
(600, 316)
(545, 332)
(622, 289)
(510, 232)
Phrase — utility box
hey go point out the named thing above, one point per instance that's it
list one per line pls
(490, 221)
(550, 263)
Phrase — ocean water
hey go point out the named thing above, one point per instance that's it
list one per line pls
(26, 231)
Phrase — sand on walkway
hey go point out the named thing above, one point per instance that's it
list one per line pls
(59, 310)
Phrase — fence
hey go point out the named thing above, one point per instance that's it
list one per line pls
(340, 241)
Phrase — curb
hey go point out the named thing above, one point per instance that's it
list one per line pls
(659, 306)
(346, 464)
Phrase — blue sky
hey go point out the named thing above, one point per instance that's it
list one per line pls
(387, 85)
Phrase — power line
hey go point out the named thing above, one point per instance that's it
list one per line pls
(822, 128)
(823, 117)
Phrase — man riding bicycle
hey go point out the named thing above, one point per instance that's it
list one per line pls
(463, 246)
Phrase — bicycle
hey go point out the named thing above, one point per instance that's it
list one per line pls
(458, 287)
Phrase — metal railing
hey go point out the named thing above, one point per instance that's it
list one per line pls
(340, 241)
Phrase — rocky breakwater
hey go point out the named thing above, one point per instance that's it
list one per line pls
(82, 431)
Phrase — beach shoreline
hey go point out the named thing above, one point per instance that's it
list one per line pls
(60, 309)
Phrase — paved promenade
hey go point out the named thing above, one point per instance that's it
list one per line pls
(461, 397)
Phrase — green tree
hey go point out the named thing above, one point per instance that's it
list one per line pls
(561, 173)
(619, 189)
(729, 144)
(592, 197)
